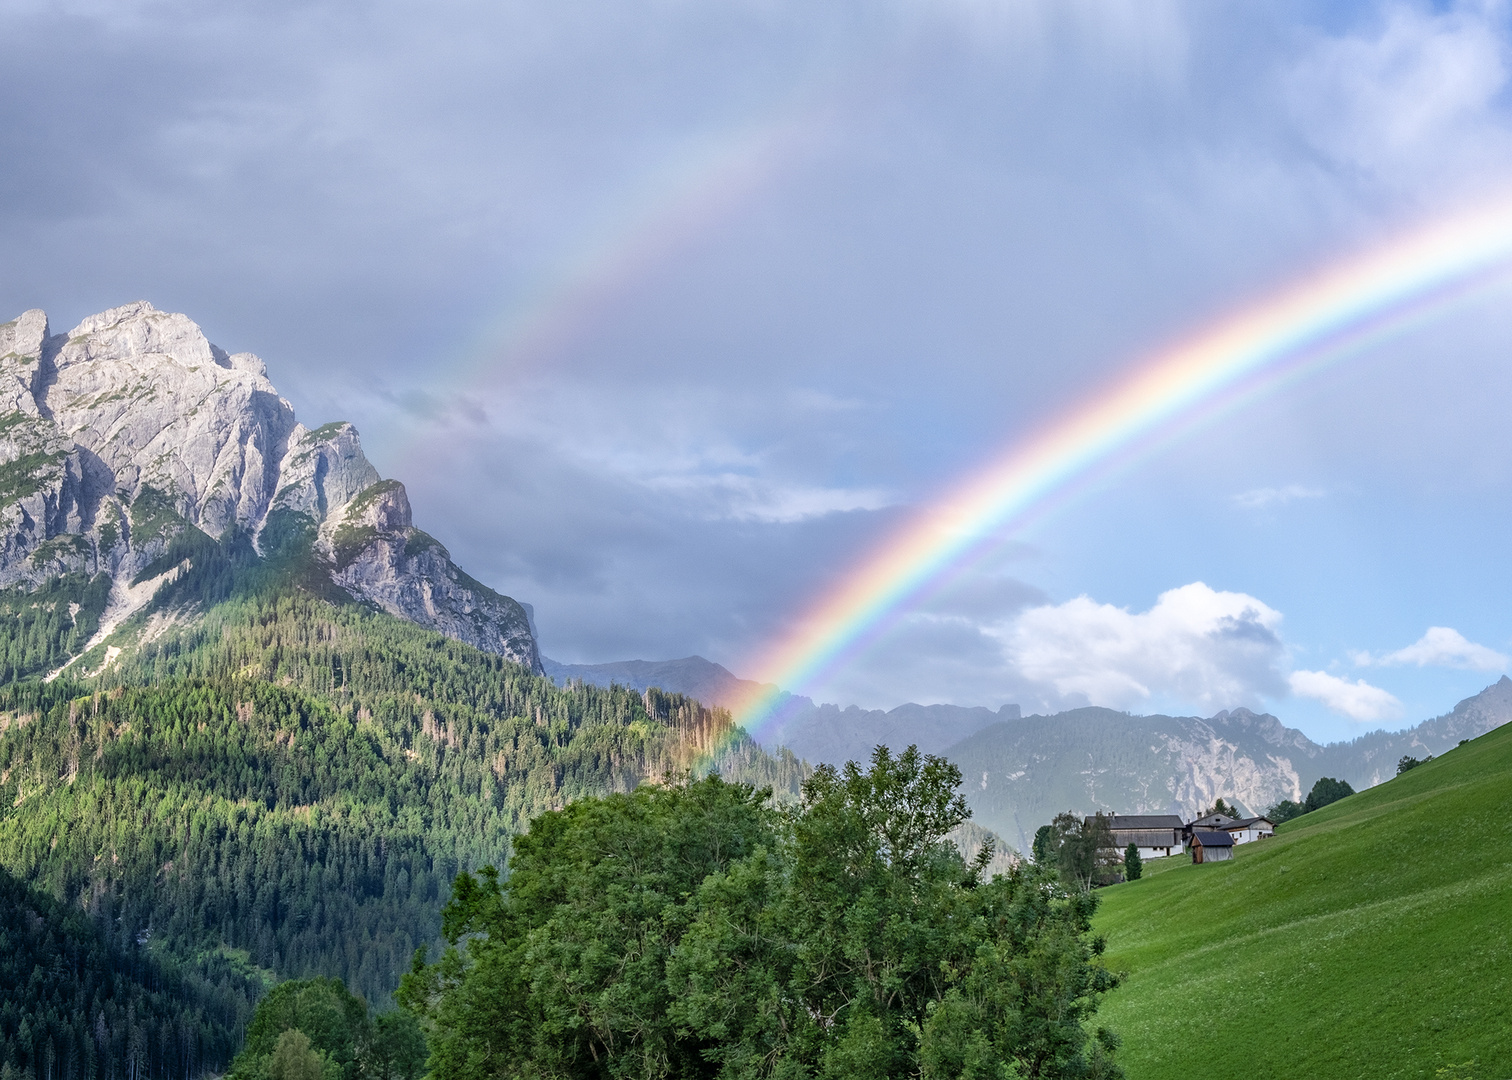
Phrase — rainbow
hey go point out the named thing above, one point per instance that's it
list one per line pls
(1320, 317)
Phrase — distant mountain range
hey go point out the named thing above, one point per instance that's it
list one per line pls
(818, 733)
(1022, 770)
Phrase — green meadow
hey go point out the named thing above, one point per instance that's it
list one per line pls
(1372, 938)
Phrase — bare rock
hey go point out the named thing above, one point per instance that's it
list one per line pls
(132, 427)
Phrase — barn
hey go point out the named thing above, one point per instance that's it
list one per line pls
(1155, 835)
(1211, 846)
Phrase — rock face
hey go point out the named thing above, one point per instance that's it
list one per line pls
(1020, 773)
(131, 428)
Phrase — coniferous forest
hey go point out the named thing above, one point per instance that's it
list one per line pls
(228, 840)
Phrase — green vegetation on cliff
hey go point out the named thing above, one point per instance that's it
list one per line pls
(1370, 938)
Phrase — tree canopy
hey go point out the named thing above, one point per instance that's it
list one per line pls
(694, 930)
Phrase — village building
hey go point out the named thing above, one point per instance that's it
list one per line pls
(1155, 835)
(1246, 830)
(1211, 845)
(1209, 821)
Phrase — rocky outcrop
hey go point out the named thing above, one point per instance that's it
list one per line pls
(120, 435)
(379, 554)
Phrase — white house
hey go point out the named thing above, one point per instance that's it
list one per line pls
(1246, 829)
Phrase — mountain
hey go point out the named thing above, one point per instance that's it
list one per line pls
(1367, 938)
(1020, 773)
(131, 442)
(831, 734)
(694, 676)
(816, 733)
(252, 721)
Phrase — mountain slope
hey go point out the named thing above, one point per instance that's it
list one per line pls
(302, 780)
(1021, 772)
(71, 1003)
(131, 442)
(1369, 938)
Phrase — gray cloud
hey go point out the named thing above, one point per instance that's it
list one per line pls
(975, 213)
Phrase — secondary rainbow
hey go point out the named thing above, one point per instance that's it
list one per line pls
(1310, 321)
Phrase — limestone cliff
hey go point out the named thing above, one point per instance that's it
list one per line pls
(121, 435)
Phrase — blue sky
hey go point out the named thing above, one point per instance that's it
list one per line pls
(666, 312)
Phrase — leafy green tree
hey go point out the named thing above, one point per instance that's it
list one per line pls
(293, 1058)
(1286, 810)
(1133, 864)
(395, 1048)
(1226, 809)
(1043, 848)
(331, 1020)
(1408, 763)
(1327, 790)
(692, 931)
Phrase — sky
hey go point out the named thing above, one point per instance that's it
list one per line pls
(668, 313)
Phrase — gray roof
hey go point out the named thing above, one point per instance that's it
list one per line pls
(1245, 823)
(1144, 821)
(1212, 838)
(1215, 821)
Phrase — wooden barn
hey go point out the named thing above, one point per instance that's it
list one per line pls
(1211, 845)
(1155, 835)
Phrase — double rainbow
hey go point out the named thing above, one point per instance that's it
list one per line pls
(1314, 320)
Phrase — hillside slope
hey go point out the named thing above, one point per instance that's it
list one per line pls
(1372, 938)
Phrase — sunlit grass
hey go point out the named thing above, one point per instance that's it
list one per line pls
(1368, 939)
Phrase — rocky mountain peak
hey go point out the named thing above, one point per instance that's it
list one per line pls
(132, 428)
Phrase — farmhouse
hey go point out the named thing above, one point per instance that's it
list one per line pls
(1155, 835)
(1211, 845)
(1209, 821)
(1246, 829)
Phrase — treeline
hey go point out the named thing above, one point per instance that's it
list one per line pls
(74, 1006)
(302, 781)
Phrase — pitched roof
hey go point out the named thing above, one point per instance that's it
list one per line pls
(1212, 838)
(1144, 821)
(1217, 821)
(1250, 822)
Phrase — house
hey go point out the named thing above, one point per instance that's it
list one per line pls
(1246, 829)
(1155, 835)
(1209, 821)
(1211, 845)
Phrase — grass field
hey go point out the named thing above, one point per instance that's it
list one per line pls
(1372, 938)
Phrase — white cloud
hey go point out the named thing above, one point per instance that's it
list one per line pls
(1260, 498)
(1356, 700)
(1198, 645)
(1441, 646)
(1413, 98)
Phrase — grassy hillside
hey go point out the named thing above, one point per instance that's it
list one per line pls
(1372, 938)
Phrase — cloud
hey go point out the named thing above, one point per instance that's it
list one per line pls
(1260, 498)
(1441, 646)
(1356, 700)
(1196, 644)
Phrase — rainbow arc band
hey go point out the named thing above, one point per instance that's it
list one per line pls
(1346, 306)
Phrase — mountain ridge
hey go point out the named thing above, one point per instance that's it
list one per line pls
(131, 441)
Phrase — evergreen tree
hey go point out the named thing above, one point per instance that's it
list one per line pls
(1327, 790)
(1133, 864)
